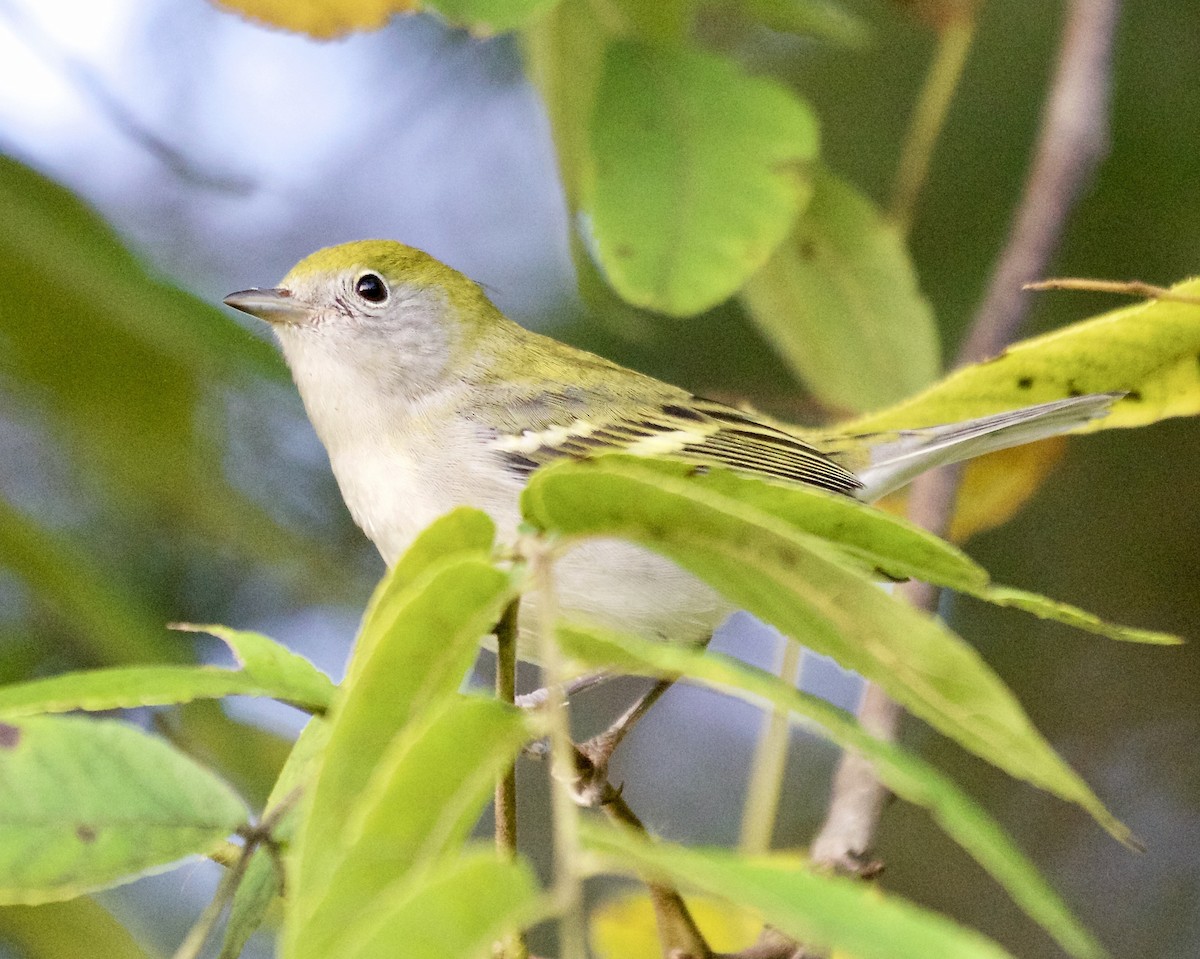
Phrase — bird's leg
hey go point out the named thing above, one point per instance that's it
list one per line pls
(537, 698)
(599, 749)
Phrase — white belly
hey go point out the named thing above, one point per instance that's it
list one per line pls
(393, 495)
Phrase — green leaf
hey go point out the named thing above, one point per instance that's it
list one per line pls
(661, 22)
(1051, 609)
(424, 796)
(840, 302)
(268, 669)
(565, 54)
(1149, 351)
(290, 676)
(463, 532)
(262, 882)
(471, 903)
(127, 688)
(822, 19)
(66, 930)
(696, 174)
(795, 582)
(86, 804)
(428, 637)
(489, 15)
(877, 539)
(904, 774)
(825, 912)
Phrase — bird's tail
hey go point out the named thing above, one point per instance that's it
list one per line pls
(897, 458)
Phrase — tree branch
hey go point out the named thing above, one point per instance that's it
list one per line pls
(1071, 144)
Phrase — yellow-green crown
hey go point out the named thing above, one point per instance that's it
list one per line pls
(394, 261)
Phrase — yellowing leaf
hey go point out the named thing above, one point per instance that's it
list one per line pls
(325, 19)
(623, 927)
(322, 19)
(1150, 351)
(697, 172)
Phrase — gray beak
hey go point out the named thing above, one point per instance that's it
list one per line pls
(274, 306)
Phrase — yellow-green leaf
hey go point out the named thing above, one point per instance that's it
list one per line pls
(1045, 608)
(427, 636)
(462, 910)
(86, 804)
(288, 675)
(1151, 351)
(426, 793)
(696, 174)
(840, 302)
(823, 19)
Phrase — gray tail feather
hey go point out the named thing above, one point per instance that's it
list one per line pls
(908, 453)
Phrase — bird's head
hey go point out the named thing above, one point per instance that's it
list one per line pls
(374, 313)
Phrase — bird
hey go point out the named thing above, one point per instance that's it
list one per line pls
(427, 397)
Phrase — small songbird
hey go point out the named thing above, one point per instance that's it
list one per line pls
(427, 397)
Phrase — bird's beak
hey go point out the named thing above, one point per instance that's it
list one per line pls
(274, 306)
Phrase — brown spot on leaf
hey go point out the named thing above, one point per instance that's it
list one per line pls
(1025, 382)
(9, 736)
(1134, 395)
(623, 251)
(85, 833)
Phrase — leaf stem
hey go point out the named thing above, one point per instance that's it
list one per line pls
(568, 856)
(197, 936)
(929, 117)
(765, 787)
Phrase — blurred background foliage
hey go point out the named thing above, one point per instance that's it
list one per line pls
(155, 465)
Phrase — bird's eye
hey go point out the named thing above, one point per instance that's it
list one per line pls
(370, 287)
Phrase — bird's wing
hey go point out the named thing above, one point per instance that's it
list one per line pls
(578, 423)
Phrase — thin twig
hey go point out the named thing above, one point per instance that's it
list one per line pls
(678, 934)
(513, 946)
(1073, 139)
(1146, 291)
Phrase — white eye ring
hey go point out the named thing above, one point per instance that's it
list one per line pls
(372, 288)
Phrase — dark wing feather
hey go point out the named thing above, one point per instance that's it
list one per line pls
(686, 428)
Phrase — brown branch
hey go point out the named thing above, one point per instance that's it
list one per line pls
(1071, 144)
(1073, 141)
(505, 805)
(678, 933)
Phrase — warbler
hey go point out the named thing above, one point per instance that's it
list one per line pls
(427, 397)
